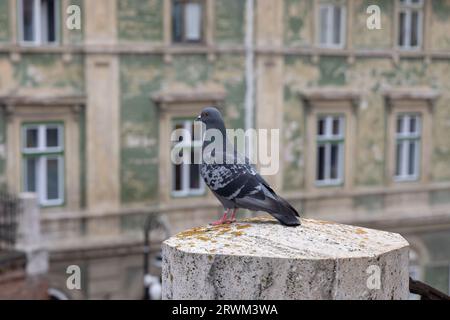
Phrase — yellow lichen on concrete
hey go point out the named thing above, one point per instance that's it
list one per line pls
(209, 233)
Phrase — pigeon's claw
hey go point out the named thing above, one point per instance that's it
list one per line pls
(232, 218)
(219, 222)
(223, 220)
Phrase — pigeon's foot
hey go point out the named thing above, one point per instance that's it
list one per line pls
(223, 220)
(232, 218)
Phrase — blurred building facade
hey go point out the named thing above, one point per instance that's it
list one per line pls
(364, 118)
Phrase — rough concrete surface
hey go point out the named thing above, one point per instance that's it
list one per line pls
(261, 259)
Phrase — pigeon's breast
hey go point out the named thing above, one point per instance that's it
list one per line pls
(217, 176)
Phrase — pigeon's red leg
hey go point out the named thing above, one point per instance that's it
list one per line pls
(222, 220)
(233, 216)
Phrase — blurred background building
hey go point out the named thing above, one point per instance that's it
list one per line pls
(87, 114)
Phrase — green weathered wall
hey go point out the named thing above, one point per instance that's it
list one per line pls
(141, 76)
(364, 38)
(4, 21)
(35, 72)
(229, 21)
(140, 20)
(369, 75)
(298, 22)
(440, 25)
(437, 270)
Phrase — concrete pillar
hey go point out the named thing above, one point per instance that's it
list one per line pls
(269, 68)
(261, 259)
(29, 238)
(102, 108)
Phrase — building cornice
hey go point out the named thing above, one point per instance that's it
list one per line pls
(39, 101)
(159, 48)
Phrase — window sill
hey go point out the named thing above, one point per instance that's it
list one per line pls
(406, 179)
(329, 184)
(176, 195)
(59, 204)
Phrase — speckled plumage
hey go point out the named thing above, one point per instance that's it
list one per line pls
(236, 183)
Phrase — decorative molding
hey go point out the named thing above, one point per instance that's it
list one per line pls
(168, 102)
(175, 49)
(331, 94)
(40, 101)
(313, 95)
(422, 93)
(426, 94)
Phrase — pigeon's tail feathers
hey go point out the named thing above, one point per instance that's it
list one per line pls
(288, 207)
(287, 215)
(280, 210)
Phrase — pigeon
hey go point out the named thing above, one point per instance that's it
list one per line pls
(234, 181)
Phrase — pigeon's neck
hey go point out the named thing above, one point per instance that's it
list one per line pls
(223, 132)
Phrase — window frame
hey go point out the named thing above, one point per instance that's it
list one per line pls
(186, 190)
(327, 140)
(37, 25)
(42, 155)
(404, 138)
(317, 101)
(407, 7)
(330, 21)
(418, 101)
(203, 17)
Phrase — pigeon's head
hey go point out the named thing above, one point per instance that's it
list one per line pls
(211, 117)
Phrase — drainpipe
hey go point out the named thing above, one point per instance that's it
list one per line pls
(249, 71)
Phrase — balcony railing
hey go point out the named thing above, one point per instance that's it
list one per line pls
(9, 220)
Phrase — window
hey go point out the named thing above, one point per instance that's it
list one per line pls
(186, 176)
(410, 24)
(43, 162)
(38, 21)
(407, 152)
(331, 26)
(330, 149)
(187, 21)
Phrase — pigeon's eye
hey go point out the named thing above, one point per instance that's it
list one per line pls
(204, 114)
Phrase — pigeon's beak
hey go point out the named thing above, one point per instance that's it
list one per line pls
(199, 118)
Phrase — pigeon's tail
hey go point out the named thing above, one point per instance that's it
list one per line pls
(287, 215)
(273, 204)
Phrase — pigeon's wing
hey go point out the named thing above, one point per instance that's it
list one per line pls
(241, 184)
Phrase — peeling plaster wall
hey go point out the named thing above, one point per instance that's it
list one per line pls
(4, 21)
(368, 75)
(440, 25)
(141, 76)
(229, 21)
(372, 39)
(298, 22)
(140, 20)
(37, 74)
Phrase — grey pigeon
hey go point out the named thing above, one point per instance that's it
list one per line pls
(236, 183)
